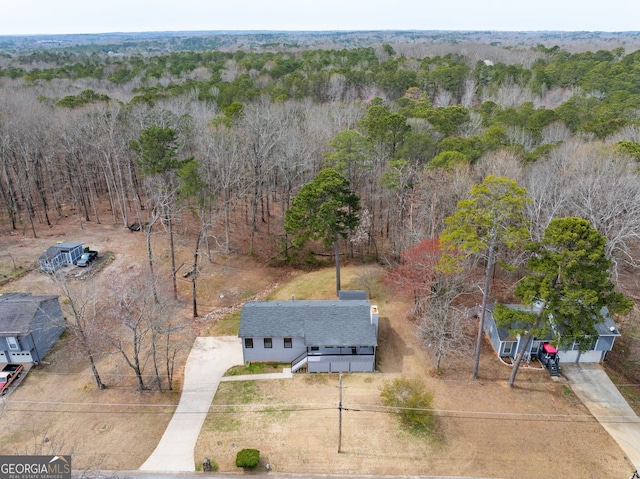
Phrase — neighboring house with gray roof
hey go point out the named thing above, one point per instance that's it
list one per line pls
(507, 345)
(321, 336)
(60, 255)
(29, 326)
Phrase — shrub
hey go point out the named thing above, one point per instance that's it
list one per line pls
(413, 403)
(248, 458)
(212, 464)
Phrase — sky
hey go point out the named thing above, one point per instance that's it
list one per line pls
(92, 16)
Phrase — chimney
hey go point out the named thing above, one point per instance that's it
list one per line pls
(374, 317)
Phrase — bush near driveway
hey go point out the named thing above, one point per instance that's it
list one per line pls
(248, 458)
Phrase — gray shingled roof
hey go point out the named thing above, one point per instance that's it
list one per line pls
(603, 328)
(352, 294)
(49, 254)
(17, 310)
(53, 251)
(68, 245)
(321, 323)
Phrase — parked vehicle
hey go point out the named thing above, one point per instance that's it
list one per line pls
(87, 258)
(548, 356)
(8, 374)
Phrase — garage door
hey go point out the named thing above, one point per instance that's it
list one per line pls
(24, 357)
(572, 357)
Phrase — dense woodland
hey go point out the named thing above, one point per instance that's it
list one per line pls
(212, 138)
(413, 126)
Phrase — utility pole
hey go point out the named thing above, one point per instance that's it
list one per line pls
(337, 253)
(340, 417)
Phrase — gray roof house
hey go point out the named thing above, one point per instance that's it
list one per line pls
(29, 326)
(319, 336)
(507, 345)
(59, 255)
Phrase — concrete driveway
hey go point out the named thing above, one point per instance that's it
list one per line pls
(210, 357)
(594, 388)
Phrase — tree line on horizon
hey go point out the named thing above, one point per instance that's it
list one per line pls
(411, 135)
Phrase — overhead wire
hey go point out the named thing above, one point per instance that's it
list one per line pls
(218, 409)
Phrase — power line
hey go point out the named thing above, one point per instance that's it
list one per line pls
(288, 408)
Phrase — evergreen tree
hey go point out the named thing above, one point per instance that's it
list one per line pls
(325, 209)
(490, 218)
(569, 279)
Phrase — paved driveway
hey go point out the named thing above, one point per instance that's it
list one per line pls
(210, 357)
(594, 388)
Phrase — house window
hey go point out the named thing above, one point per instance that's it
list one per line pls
(315, 348)
(288, 343)
(248, 343)
(268, 344)
(507, 348)
(12, 342)
(535, 347)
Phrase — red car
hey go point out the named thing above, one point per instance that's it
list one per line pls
(8, 374)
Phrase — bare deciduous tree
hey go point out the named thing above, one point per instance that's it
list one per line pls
(143, 331)
(442, 324)
(261, 129)
(82, 301)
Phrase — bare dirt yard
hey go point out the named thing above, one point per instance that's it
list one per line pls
(484, 428)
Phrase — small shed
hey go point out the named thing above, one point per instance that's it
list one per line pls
(59, 255)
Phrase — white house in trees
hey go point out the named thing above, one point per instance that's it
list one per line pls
(319, 336)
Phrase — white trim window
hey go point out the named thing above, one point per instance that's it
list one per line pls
(508, 347)
(12, 342)
(535, 347)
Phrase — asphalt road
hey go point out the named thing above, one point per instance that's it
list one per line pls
(270, 475)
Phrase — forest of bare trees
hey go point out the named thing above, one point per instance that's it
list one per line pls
(411, 133)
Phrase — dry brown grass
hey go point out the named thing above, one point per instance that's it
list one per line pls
(484, 428)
